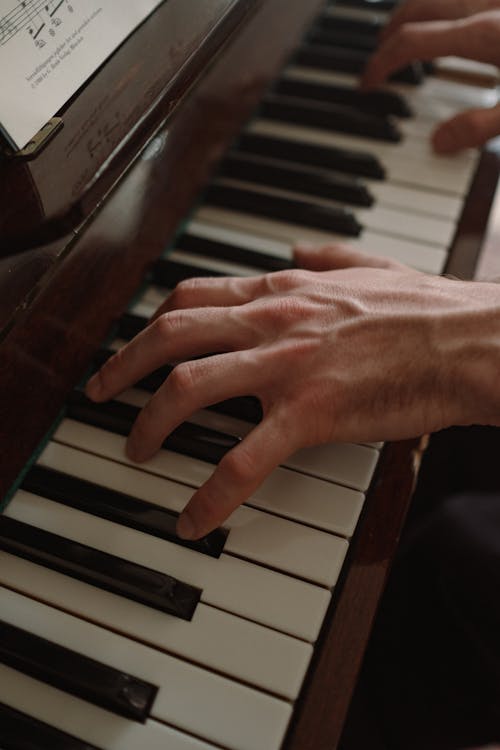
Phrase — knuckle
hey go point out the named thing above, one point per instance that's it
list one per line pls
(239, 466)
(284, 281)
(182, 379)
(168, 324)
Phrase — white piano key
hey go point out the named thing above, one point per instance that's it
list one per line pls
(430, 230)
(190, 698)
(331, 507)
(417, 201)
(87, 722)
(417, 166)
(230, 645)
(270, 598)
(412, 253)
(257, 536)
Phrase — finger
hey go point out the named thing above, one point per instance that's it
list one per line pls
(236, 477)
(419, 41)
(414, 11)
(467, 130)
(337, 256)
(172, 337)
(211, 292)
(191, 386)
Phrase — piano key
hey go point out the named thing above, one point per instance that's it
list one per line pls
(270, 598)
(22, 732)
(119, 417)
(383, 101)
(343, 19)
(412, 253)
(380, 219)
(341, 38)
(231, 645)
(254, 535)
(351, 161)
(299, 212)
(204, 246)
(330, 116)
(313, 181)
(351, 61)
(412, 164)
(331, 507)
(190, 698)
(94, 727)
(368, 5)
(119, 507)
(94, 566)
(68, 670)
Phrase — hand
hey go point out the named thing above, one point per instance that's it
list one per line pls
(414, 11)
(476, 37)
(370, 351)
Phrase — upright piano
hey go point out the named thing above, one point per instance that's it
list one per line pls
(215, 135)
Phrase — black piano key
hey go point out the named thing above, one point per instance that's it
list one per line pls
(130, 325)
(376, 102)
(224, 251)
(340, 38)
(370, 26)
(331, 218)
(100, 569)
(117, 507)
(375, 5)
(18, 731)
(246, 408)
(188, 439)
(360, 163)
(329, 116)
(74, 673)
(169, 273)
(313, 181)
(351, 61)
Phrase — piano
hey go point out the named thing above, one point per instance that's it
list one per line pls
(214, 136)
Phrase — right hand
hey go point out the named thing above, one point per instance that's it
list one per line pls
(476, 37)
(416, 11)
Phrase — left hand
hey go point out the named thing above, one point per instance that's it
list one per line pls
(331, 355)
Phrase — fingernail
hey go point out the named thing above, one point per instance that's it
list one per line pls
(185, 527)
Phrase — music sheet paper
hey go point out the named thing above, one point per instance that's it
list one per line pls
(48, 49)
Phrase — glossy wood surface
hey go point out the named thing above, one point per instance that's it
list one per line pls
(70, 294)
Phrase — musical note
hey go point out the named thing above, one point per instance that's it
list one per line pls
(33, 15)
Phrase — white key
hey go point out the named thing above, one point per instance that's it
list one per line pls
(418, 255)
(286, 493)
(85, 721)
(237, 586)
(380, 219)
(189, 698)
(256, 536)
(417, 201)
(215, 639)
(413, 166)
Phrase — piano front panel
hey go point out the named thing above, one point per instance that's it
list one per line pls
(236, 675)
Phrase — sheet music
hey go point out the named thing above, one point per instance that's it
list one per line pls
(48, 49)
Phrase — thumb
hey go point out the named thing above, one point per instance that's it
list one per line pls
(467, 130)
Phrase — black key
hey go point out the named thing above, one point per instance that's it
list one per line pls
(118, 507)
(371, 26)
(376, 5)
(74, 673)
(247, 408)
(340, 38)
(19, 731)
(108, 572)
(169, 273)
(351, 61)
(360, 163)
(314, 181)
(331, 218)
(329, 116)
(374, 102)
(188, 439)
(215, 249)
(130, 325)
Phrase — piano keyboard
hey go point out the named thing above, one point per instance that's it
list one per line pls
(116, 634)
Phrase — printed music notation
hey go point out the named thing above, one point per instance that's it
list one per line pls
(35, 17)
